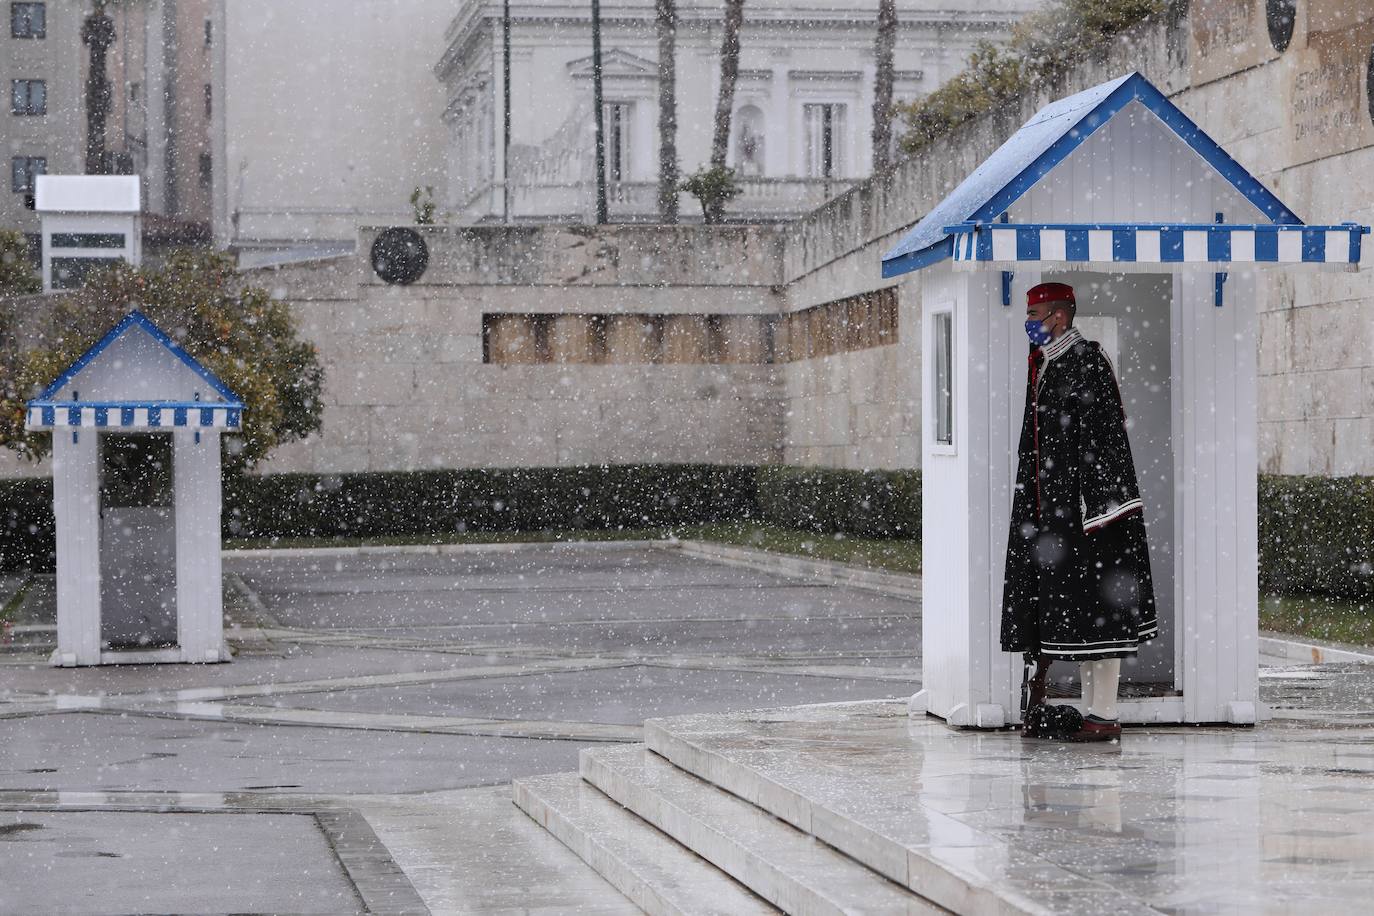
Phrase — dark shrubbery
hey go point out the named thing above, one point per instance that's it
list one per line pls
(871, 504)
(27, 530)
(519, 499)
(876, 504)
(1042, 47)
(1316, 536)
(240, 333)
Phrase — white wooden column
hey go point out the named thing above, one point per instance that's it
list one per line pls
(1216, 587)
(200, 608)
(945, 521)
(967, 679)
(76, 507)
(1004, 387)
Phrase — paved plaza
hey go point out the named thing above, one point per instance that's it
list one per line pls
(389, 687)
(358, 754)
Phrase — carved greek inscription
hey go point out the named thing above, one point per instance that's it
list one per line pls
(1327, 95)
(1222, 26)
(1320, 106)
(1227, 36)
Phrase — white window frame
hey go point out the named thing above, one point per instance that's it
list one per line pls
(840, 141)
(624, 150)
(938, 314)
(27, 169)
(22, 101)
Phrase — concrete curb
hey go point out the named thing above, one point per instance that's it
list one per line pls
(830, 572)
(894, 584)
(1313, 653)
(421, 549)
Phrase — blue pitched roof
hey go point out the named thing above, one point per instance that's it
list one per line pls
(136, 319)
(1042, 143)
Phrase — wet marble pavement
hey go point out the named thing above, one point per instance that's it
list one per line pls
(1274, 819)
(379, 705)
(405, 689)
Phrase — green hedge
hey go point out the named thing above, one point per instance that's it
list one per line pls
(863, 503)
(439, 502)
(1316, 536)
(27, 529)
(872, 504)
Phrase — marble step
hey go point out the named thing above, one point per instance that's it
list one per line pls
(471, 851)
(820, 769)
(660, 876)
(778, 862)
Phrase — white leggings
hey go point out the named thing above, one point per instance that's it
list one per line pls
(1100, 679)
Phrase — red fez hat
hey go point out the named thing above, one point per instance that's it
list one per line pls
(1050, 292)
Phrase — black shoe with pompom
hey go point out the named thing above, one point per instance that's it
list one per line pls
(1051, 722)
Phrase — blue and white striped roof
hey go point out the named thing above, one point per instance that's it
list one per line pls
(964, 225)
(133, 416)
(223, 410)
(1155, 243)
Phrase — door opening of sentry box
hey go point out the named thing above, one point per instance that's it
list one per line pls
(138, 571)
(1128, 315)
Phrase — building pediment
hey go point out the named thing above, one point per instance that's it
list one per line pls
(615, 64)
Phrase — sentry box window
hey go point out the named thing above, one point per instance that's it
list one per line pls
(942, 333)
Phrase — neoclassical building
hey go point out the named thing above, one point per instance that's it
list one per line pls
(803, 109)
(333, 113)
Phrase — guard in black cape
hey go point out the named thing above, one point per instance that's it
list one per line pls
(1077, 584)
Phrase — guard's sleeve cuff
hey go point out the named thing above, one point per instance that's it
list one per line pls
(1098, 522)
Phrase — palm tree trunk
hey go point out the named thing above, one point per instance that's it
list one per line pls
(98, 33)
(666, 11)
(599, 118)
(882, 84)
(729, 72)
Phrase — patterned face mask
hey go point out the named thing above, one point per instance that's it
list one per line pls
(1037, 333)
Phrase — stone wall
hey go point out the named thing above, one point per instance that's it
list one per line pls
(1302, 120)
(407, 385)
(411, 384)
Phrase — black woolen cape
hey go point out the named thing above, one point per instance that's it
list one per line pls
(1077, 584)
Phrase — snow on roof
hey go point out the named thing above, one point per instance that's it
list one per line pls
(163, 398)
(1040, 145)
(87, 194)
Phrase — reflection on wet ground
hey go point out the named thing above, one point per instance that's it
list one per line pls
(393, 684)
(1174, 820)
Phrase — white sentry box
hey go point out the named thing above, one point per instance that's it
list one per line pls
(136, 425)
(88, 221)
(1163, 236)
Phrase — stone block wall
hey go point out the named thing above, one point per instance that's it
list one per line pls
(539, 345)
(409, 385)
(1301, 119)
